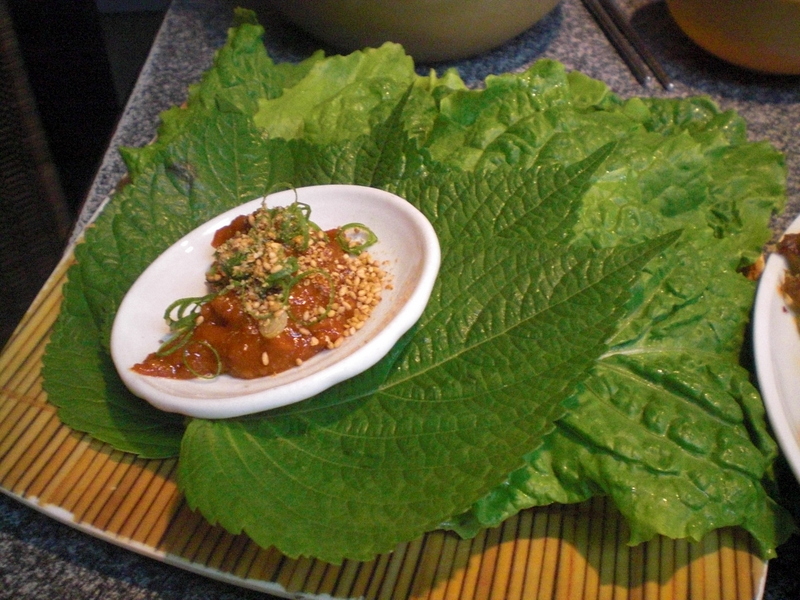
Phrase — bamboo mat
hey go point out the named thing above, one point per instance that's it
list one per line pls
(573, 552)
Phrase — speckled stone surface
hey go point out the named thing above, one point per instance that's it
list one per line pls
(41, 558)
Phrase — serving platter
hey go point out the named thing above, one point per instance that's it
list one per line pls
(561, 552)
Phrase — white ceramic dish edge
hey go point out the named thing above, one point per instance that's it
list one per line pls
(776, 341)
(407, 242)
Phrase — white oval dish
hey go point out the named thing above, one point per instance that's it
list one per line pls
(776, 341)
(407, 244)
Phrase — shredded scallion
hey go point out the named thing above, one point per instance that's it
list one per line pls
(196, 373)
(354, 238)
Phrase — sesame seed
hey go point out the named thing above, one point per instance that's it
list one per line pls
(266, 271)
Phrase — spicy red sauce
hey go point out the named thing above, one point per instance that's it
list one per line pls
(234, 335)
(227, 338)
(239, 225)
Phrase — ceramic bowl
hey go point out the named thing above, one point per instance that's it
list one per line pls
(429, 30)
(762, 35)
(407, 245)
(776, 341)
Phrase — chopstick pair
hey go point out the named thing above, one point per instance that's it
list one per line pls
(628, 43)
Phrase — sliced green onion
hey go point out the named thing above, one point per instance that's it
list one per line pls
(203, 375)
(228, 267)
(294, 224)
(175, 342)
(290, 267)
(246, 307)
(314, 227)
(278, 186)
(304, 209)
(182, 318)
(359, 231)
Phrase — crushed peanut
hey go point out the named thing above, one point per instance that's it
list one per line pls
(264, 263)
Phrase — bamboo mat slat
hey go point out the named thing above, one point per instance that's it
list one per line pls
(573, 552)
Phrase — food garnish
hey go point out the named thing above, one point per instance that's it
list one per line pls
(283, 290)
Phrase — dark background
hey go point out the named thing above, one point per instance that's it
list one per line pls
(66, 70)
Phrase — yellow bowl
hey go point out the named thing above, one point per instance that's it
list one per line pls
(763, 35)
(429, 30)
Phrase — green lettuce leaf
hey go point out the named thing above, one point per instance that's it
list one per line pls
(687, 318)
(82, 382)
(515, 321)
(564, 298)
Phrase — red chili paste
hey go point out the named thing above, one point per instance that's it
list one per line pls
(227, 339)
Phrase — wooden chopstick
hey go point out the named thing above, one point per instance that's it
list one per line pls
(636, 41)
(628, 43)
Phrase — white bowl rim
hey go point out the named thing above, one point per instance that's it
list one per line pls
(213, 399)
(774, 359)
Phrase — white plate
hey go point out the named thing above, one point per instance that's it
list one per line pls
(777, 354)
(406, 242)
